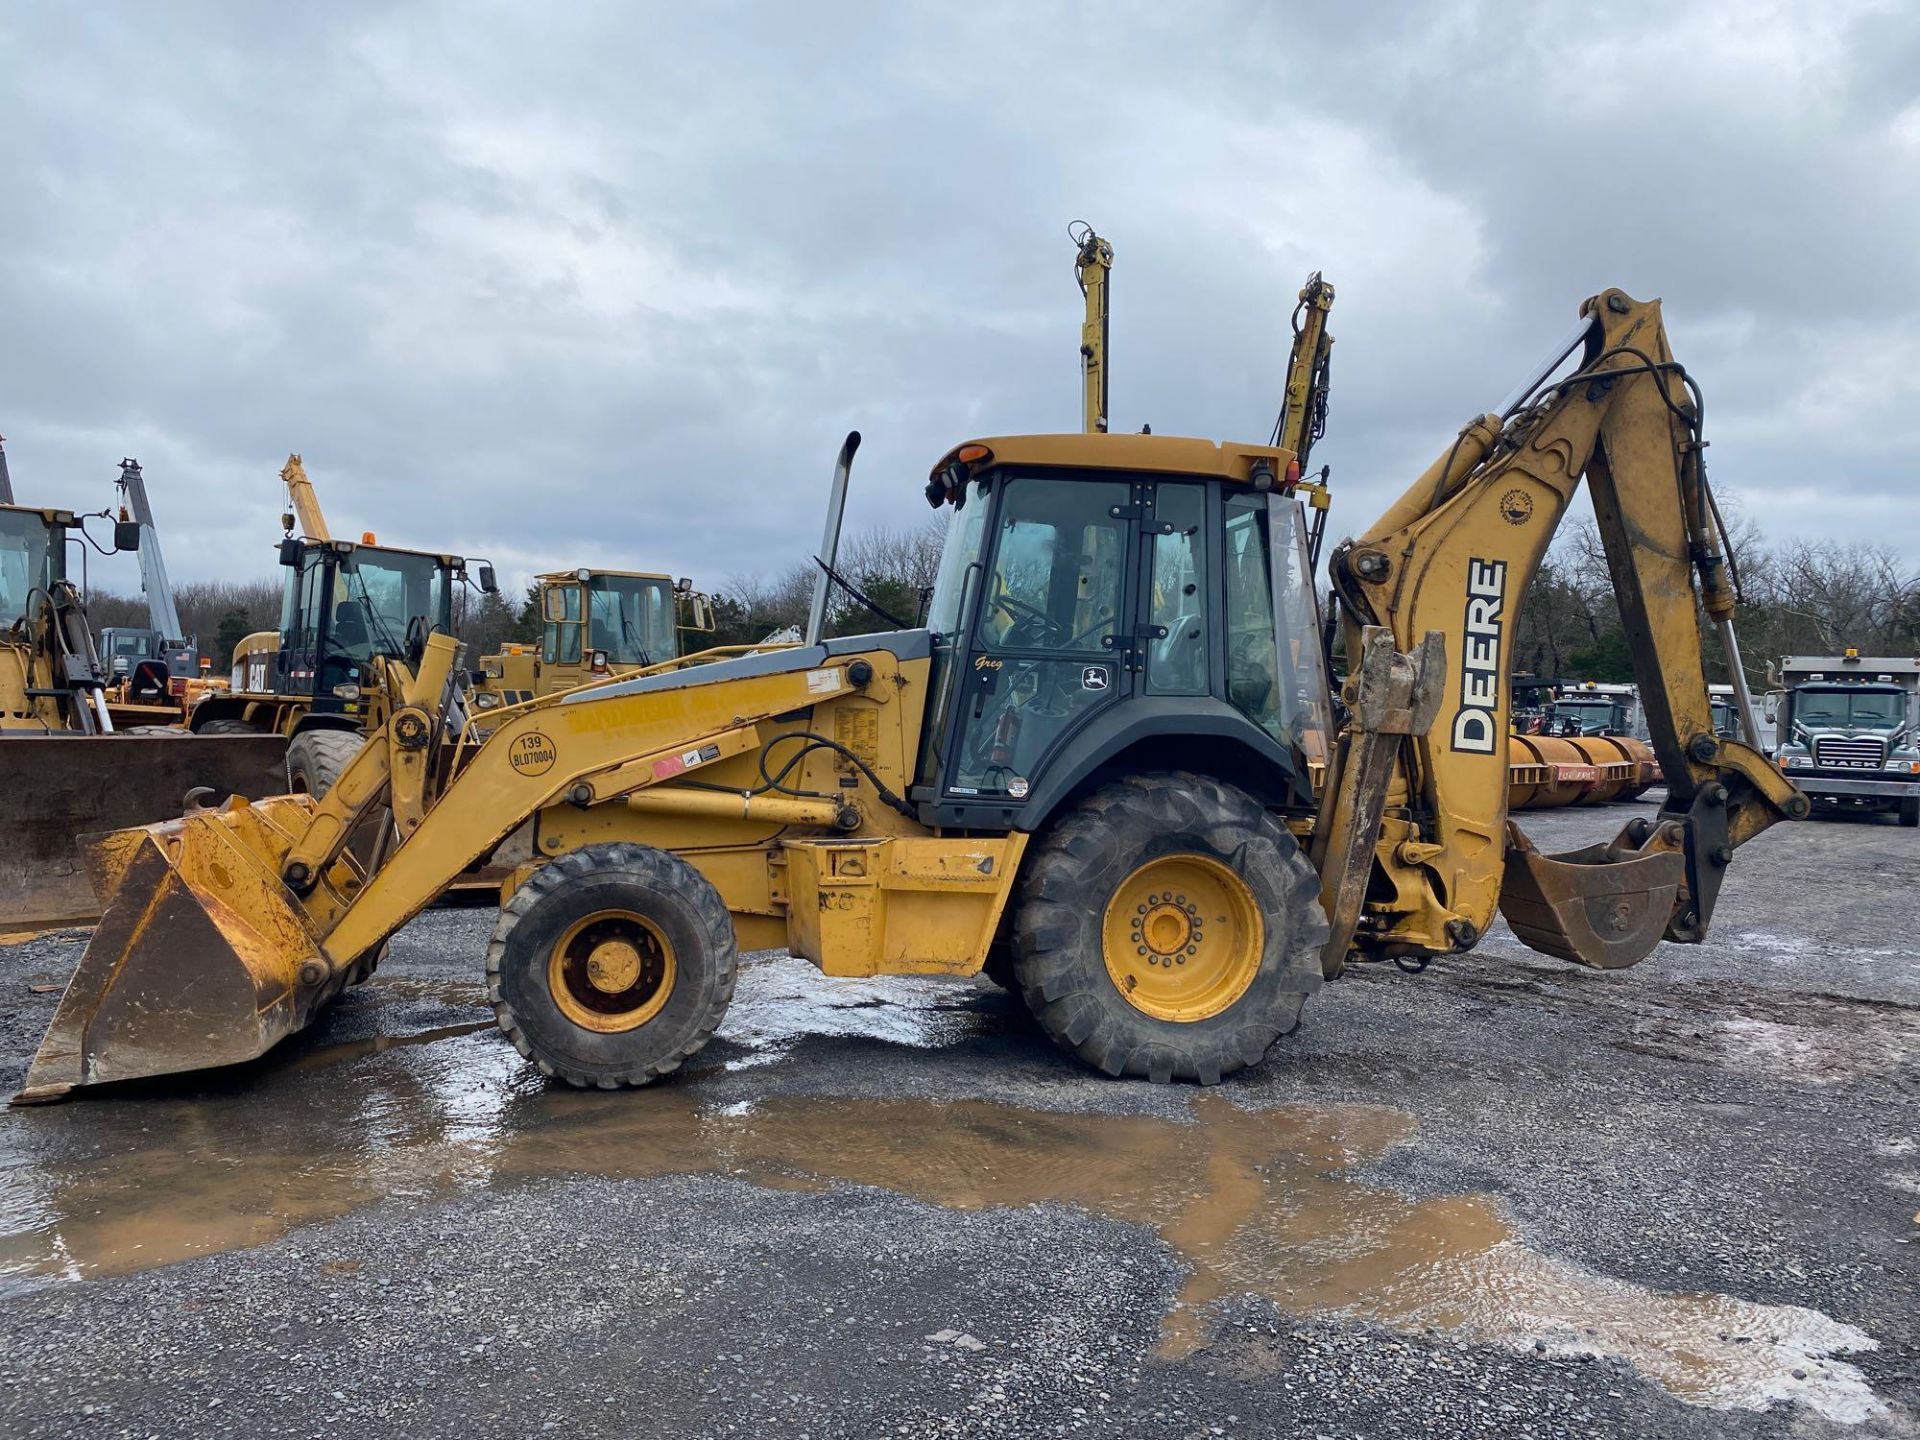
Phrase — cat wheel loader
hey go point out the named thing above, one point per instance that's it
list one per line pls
(69, 761)
(1086, 773)
(352, 616)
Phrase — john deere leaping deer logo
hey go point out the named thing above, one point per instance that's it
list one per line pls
(532, 753)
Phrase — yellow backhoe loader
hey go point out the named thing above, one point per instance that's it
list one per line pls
(1092, 758)
(354, 618)
(67, 763)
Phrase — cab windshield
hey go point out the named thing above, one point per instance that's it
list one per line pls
(27, 558)
(632, 618)
(134, 644)
(1593, 715)
(384, 592)
(1849, 708)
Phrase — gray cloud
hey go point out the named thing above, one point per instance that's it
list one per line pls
(593, 284)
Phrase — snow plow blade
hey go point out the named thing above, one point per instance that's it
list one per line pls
(202, 958)
(60, 787)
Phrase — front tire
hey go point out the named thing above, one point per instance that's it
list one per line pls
(1910, 814)
(227, 727)
(1169, 927)
(612, 964)
(316, 759)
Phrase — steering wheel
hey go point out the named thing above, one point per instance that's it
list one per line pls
(417, 632)
(1021, 613)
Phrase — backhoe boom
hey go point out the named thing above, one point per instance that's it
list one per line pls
(1455, 554)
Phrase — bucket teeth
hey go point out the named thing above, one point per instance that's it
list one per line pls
(196, 963)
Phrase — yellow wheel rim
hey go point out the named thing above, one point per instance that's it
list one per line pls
(611, 971)
(1183, 937)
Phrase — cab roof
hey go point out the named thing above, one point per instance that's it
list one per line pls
(1155, 454)
(451, 562)
(51, 514)
(596, 571)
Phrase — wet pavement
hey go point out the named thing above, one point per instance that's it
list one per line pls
(1506, 1197)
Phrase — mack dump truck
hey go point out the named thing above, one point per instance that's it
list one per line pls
(1091, 783)
(1849, 731)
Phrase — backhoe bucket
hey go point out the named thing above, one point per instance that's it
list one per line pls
(202, 958)
(1604, 906)
(58, 787)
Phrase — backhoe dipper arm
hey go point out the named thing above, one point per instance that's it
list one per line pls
(1456, 554)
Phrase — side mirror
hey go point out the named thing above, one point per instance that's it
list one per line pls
(555, 605)
(488, 585)
(126, 535)
(290, 553)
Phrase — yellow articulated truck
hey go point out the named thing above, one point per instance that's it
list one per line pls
(1092, 782)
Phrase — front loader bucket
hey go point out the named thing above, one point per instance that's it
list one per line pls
(60, 787)
(1603, 906)
(202, 958)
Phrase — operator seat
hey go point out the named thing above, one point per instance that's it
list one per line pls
(350, 626)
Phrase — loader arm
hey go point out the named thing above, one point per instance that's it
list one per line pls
(1456, 554)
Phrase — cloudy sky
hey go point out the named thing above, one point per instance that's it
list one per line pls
(583, 283)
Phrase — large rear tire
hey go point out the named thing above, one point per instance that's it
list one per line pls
(317, 758)
(612, 964)
(228, 727)
(1168, 927)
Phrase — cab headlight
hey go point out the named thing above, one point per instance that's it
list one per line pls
(346, 692)
(486, 700)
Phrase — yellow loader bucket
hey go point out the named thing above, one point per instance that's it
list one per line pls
(202, 958)
(59, 787)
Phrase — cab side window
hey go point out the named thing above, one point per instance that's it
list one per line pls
(1253, 654)
(1057, 569)
(1053, 596)
(1177, 594)
(560, 642)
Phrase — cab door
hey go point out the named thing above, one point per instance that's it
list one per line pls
(1052, 639)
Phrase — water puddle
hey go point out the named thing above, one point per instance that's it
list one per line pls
(1265, 1202)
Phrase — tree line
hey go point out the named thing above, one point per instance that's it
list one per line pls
(1798, 596)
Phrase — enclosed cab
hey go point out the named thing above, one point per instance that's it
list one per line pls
(1847, 729)
(1154, 612)
(1594, 708)
(593, 624)
(40, 687)
(343, 606)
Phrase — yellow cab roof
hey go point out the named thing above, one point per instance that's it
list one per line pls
(1158, 454)
(560, 576)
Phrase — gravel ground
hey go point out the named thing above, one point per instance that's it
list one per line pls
(1506, 1197)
